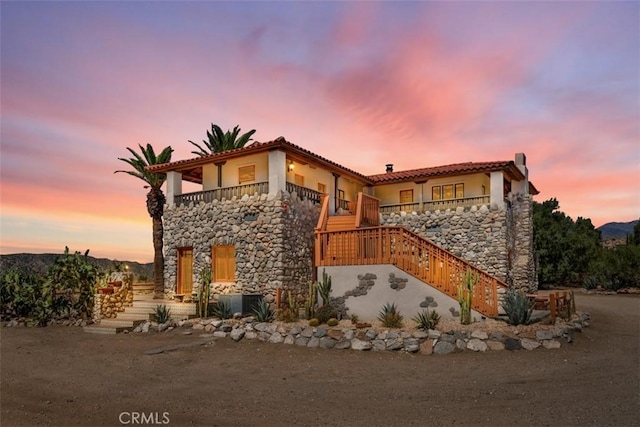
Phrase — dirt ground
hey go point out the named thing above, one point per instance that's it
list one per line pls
(62, 376)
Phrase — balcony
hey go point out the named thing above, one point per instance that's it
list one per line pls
(430, 206)
(229, 193)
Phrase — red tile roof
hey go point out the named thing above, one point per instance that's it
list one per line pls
(455, 169)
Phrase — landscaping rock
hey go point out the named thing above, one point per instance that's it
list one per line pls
(276, 338)
(461, 344)
(529, 344)
(198, 326)
(512, 344)
(360, 345)
(250, 335)
(219, 334)
(427, 347)
(411, 345)
(433, 334)
(314, 342)
(481, 335)
(495, 345)
(307, 333)
(336, 334)
(395, 344)
(476, 344)
(544, 335)
(379, 345)
(237, 334)
(320, 332)
(421, 335)
(552, 344)
(443, 347)
(302, 341)
(327, 342)
(289, 339)
(343, 344)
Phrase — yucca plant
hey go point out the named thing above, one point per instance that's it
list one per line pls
(390, 316)
(263, 312)
(221, 310)
(518, 307)
(427, 320)
(162, 314)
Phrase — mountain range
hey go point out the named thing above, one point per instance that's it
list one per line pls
(40, 263)
(616, 230)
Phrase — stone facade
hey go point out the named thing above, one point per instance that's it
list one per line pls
(498, 241)
(272, 235)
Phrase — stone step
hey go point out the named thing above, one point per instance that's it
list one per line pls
(117, 323)
(105, 330)
(135, 317)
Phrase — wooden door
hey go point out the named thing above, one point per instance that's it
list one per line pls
(185, 271)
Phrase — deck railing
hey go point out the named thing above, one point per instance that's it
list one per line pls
(367, 210)
(436, 204)
(303, 192)
(223, 193)
(412, 254)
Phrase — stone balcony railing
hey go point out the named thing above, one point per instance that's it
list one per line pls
(435, 205)
(238, 191)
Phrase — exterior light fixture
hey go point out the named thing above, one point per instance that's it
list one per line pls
(290, 166)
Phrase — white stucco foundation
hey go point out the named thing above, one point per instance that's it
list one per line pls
(347, 279)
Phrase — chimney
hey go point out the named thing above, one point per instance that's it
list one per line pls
(389, 167)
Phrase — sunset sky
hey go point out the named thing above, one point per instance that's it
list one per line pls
(362, 83)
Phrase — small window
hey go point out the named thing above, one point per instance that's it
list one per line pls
(224, 263)
(447, 191)
(484, 190)
(341, 194)
(322, 188)
(299, 180)
(246, 174)
(459, 191)
(436, 192)
(406, 196)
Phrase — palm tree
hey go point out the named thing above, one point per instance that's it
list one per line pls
(155, 202)
(218, 141)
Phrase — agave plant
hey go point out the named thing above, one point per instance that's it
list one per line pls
(390, 316)
(222, 310)
(162, 314)
(518, 307)
(263, 312)
(427, 320)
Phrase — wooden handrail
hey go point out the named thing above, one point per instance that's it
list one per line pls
(367, 210)
(411, 253)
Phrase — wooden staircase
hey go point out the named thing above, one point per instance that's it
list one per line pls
(352, 240)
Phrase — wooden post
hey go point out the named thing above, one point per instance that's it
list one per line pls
(552, 305)
(278, 297)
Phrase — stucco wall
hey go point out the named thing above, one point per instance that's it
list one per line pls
(363, 290)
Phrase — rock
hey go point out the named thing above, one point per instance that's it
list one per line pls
(164, 326)
(260, 327)
(421, 335)
(496, 336)
(360, 345)
(529, 344)
(237, 315)
(307, 332)
(198, 326)
(289, 339)
(220, 334)
(447, 338)
(226, 328)
(295, 330)
(250, 335)
(552, 344)
(461, 344)
(370, 334)
(544, 335)
(336, 334)
(411, 345)
(314, 342)
(276, 338)
(481, 335)
(392, 335)
(302, 341)
(320, 332)
(349, 334)
(146, 326)
(494, 345)
(327, 342)
(263, 336)
(426, 347)
(512, 344)
(216, 323)
(237, 334)
(568, 335)
(379, 345)
(443, 347)
(137, 329)
(187, 333)
(343, 344)
(476, 344)
(433, 334)
(395, 344)
(209, 328)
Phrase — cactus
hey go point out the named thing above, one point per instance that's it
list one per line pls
(324, 287)
(204, 292)
(465, 295)
(310, 304)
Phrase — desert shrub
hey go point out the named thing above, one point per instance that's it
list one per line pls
(161, 314)
(332, 322)
(221, 310)
(324, 287)
(427, 320)
(518, 307)
(314, 322)
(324, 313)
(390, 316)
(263, 312)
(354, 318)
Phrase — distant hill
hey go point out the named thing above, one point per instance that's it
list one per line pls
(617, 230)
(40, 263)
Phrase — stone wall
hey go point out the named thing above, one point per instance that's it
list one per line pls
(498, 241)
(272, 235)
(113, 296)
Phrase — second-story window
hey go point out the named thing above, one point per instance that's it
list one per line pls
(322, 188)
(246, 174)
(406, 196)
(299, 180)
